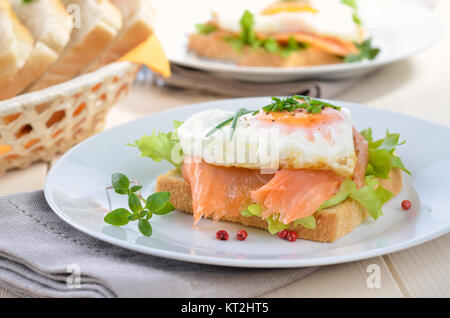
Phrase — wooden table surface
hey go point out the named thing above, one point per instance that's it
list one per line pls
(418, 86)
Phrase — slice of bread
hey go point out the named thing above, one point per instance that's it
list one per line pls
(50, 26)
(99, 23)
(214, 46)
(332, 223)
(16, 43)
(138, 24)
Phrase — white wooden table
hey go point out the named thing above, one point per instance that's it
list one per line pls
(419, 86)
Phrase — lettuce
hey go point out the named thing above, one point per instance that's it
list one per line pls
(164, 146)
(309, 222)
(275, 225)
(372, 196)
(381, 154)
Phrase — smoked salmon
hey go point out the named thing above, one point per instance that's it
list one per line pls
(362, 158)
(293, 193)
(218, 191)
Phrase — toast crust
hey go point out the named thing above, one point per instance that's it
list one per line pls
(332, 223)
(213, 46)
(75, 58)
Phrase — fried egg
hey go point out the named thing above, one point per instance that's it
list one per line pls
(329, 18)
(272, 140)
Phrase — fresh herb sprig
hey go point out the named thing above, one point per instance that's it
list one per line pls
(365, 51)
(289, 104)
(354, 5)
(233, 120)
(140, 209)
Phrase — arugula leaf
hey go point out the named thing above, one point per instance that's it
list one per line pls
(381, 154)
(205, 28)
(372, 196)
(366, 51)
(164, 146)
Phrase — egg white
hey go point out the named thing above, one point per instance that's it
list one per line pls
(255, 144)
(332, 19)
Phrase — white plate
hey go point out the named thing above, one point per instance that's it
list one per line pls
(400, 29)
(75, 189)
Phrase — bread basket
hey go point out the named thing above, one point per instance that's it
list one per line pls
(39, 125)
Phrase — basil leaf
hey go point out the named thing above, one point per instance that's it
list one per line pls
(166, 209)
(121, 183)
(144, 227)
(135, 188)
(157, 201)
(118, 217)
(134, 203)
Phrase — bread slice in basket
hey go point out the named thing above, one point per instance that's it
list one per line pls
(16, 43)
(99, 23)
(138, 24)
(50, 26)
(332, 223)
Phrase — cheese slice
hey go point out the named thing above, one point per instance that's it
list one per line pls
(150, 53)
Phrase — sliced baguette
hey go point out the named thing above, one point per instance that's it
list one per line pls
(332, 223)
(16, 44)
(214, 46)
(138, 24)
(100, 21)
(50, 26)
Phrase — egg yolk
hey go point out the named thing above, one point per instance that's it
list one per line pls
(279, 7)
(300, 118)
(307, 122)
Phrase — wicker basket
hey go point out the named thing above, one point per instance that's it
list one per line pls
(39, 125)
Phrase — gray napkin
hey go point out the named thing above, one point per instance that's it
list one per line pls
(41, 256)
(189, 78)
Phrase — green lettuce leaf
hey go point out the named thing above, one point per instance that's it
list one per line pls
(309, 222)
(252, 210)
(372, 196)
(381, 154)
(205, 28)
(162, 146)
(248, 37)
(275, 225)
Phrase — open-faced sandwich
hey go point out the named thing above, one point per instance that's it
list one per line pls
(296, 164)
(286, 33)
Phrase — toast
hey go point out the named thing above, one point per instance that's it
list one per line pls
(100, 22)
(214, 46)
(332, 223)
(40, 18)
(16, 44)
(138, 24)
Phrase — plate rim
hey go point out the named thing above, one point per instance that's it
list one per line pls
(229, 262)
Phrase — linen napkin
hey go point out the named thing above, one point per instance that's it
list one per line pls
(190, 78)
(42, 256)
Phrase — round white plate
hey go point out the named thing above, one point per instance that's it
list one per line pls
(400, 29)
(75, 190)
